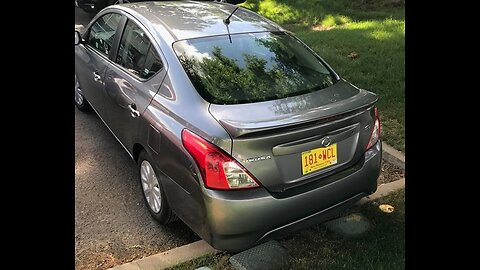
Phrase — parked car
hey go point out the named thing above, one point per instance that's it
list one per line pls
(238, 128)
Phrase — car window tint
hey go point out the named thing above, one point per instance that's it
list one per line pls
(102, 32)
(245, 68)
(152, 64)
(133, 50)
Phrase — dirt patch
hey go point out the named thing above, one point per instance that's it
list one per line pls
(111, 253)
(100, 260)
(390, 173)
(319, 27)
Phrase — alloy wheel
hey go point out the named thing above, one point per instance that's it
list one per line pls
(151, 187)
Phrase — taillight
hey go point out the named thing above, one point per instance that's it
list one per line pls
(377, 130)
(219, 170)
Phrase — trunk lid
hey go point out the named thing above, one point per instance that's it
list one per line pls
(274, 139)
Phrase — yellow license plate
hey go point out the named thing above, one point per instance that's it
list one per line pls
(319, 158)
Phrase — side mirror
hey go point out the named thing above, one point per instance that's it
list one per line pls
(78, 38)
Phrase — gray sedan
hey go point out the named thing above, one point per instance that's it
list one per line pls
(238, 128)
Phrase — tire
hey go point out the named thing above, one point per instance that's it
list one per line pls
(80, 101)
(152, 190)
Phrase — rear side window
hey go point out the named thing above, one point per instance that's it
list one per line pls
(102, 33)
(251, 67)
(152, 65)
(136, 53)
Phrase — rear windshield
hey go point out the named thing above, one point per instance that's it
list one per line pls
(252, 67)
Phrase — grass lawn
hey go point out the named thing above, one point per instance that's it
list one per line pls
(381, 247)
(373, 30)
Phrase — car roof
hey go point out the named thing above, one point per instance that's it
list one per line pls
(193, 19)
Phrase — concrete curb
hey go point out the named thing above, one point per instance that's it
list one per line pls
(393, 156)
(384, 190)
(169, 258)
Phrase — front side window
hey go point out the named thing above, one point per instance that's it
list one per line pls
(136, 53)
(251, 67)
(102, 33)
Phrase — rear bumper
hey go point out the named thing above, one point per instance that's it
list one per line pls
(238, 220)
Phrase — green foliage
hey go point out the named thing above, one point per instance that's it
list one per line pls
(333, 20)
(310, 12)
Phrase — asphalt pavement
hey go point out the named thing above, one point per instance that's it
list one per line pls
(112, 223)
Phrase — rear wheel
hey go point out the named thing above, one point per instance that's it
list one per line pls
(153, 192)
(80, 101)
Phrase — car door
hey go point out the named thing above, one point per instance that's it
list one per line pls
(132, 81)
(91, 59)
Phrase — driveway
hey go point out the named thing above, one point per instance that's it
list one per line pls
(112, 223)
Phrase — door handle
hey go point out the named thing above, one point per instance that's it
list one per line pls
(133, 110)
(96, 76)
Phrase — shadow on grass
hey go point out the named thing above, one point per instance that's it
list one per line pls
(382, 247)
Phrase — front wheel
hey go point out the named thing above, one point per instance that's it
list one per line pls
(153, 192)
(80, 101)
